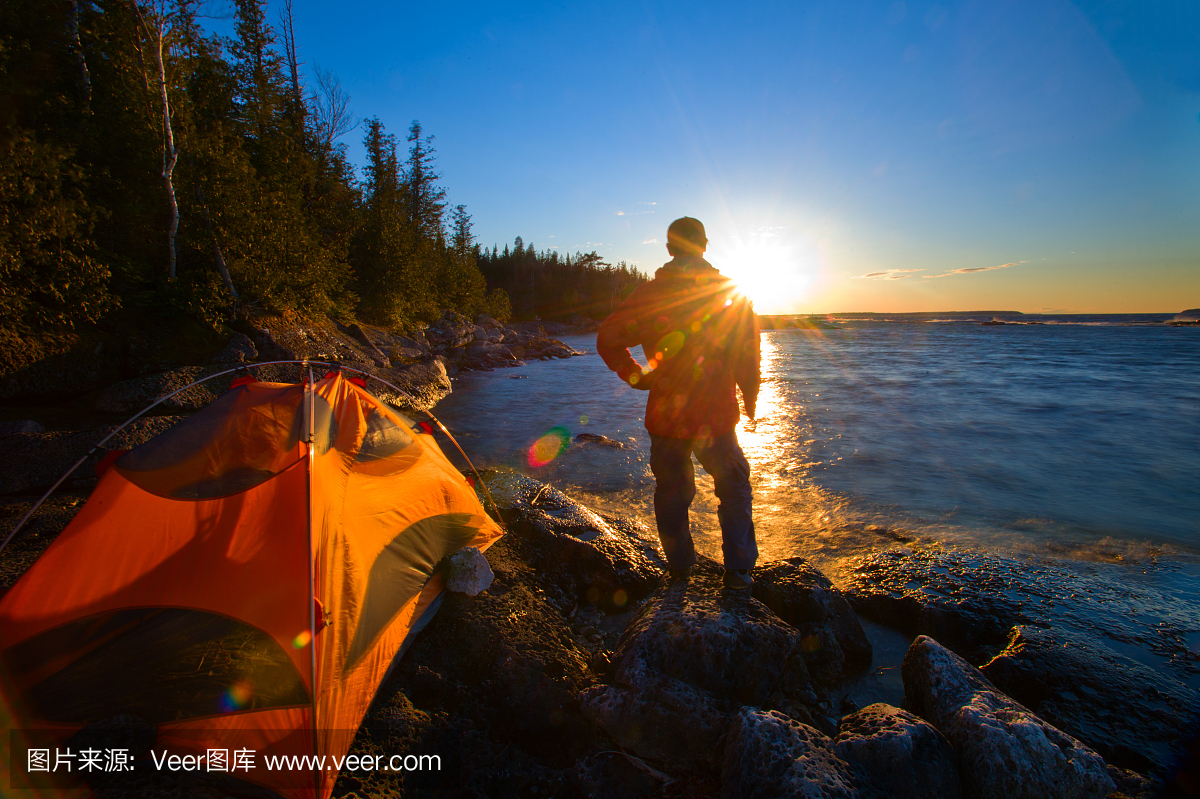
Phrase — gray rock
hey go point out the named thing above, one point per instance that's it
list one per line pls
(320, 339)
(769, 755)
(691, 655)
(670, 722)
(452, 330)
(239, 349)
(833, 639)
(969, 601)
(595, 438)
(131, 396)
(904, 756)
(468, 572)
(1005, 751)
(485, 321)
(425, 384)
(583, 557)
(21, 426)
(612, 775)
(34, 461)
(1128, 713)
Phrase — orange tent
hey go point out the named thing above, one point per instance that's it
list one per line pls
(243, 581)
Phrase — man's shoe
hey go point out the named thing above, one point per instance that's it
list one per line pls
(738, 579)
(680, 575)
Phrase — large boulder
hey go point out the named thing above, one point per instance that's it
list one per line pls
(832, 637)
(769, 755)
(904, 756)
(452, 330)
(239, 349)
(583, 557)
(131, 396)
(1005, 751)
(969, 600)
(692, 654)
(424, 385)
(1128, 713)
(291, 338)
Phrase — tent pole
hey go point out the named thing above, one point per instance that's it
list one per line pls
(310, 412)
(305, 363)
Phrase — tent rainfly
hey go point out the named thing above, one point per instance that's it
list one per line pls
(243, 581)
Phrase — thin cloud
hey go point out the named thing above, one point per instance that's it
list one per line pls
(620, 213)
(888, 274)
(651, 241)
(966, 270)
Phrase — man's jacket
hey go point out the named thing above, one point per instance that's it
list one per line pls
(700, 335)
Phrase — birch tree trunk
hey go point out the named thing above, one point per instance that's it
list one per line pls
(158, 36)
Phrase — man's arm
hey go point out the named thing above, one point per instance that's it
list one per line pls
(617, 334)
(746, 357)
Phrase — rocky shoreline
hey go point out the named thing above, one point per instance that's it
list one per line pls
(581, 672)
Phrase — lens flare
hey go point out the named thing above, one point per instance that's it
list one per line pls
(549, 447)
(301, 640)
(236, 697)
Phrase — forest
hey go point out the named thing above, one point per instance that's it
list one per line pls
(156, 175)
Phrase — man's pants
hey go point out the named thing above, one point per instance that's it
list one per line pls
(675, 486)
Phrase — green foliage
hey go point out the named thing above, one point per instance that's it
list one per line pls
(50, 278)
(270, 217)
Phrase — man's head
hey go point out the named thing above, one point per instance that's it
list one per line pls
(686, 236)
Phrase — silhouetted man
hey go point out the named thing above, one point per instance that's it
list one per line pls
(700, 336)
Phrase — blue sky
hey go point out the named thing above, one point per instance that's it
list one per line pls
(886, 156)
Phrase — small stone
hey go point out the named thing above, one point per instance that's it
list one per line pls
(468, 572)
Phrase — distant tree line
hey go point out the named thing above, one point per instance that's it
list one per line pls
(150, 171)
(549, 286)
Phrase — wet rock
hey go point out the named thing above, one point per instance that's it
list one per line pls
(1128, 713)
(239, 349)
(1131, 785)
(483, 354)
(691, 655)
(583, 558)
(970, 601)
(468, 572)
(832, 637)
(770, 755)
(34, 461)
(594, 438)
(543, 349)
(27, 426)
(905, 756)
(131, 396)
(612, 775)
(1005, 751)
(956, 599)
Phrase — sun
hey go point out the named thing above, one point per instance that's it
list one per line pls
(768, 271)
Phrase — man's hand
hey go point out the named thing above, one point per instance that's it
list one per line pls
(641, 380)
(750, 411)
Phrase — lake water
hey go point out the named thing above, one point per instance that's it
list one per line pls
(1078, 438)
